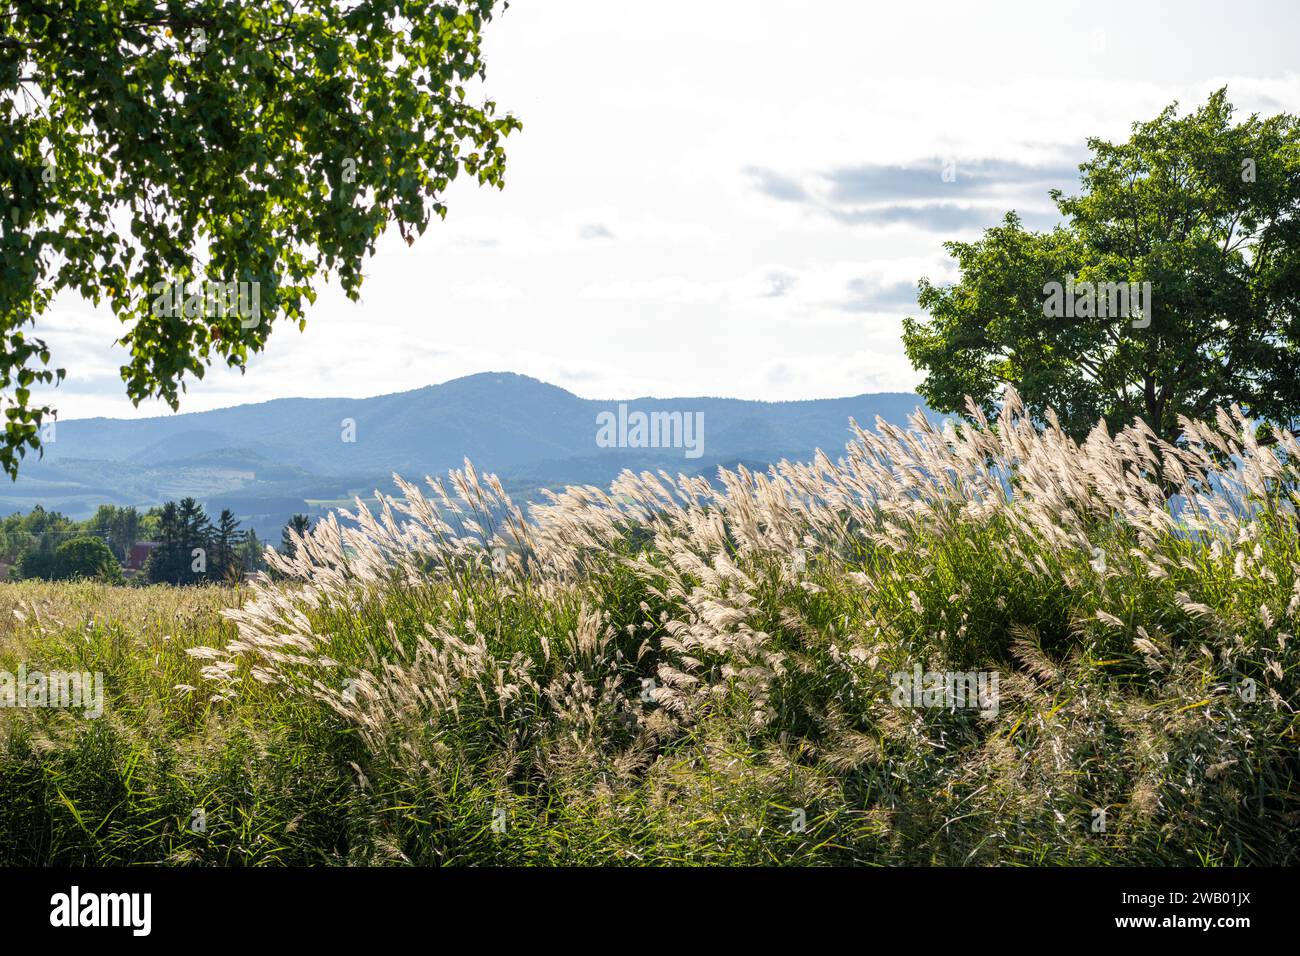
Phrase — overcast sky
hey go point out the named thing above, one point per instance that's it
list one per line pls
(733, 198)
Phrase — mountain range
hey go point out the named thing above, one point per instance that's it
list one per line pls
(270, 460)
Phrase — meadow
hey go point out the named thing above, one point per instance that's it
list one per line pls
(678, 671)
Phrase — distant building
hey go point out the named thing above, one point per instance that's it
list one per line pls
(140, 552)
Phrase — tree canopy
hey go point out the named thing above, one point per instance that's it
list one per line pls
(197, 164)
(85, 558)
(1204, 211)
(298, 526)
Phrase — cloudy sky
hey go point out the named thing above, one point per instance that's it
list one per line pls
(733, 198)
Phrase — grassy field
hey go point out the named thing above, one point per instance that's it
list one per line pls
(672, 673)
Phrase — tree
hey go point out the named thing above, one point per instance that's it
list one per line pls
(36, 562)
(85, 557)
(252, 147)
(298, 523)
(33, 538)
(1205, 211)
(226, 539)
(250, 552)
(184, 544)
(166, 562)
(120, 527)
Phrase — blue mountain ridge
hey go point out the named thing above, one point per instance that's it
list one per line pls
(267, 461)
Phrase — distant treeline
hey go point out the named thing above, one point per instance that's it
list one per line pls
(185, 545)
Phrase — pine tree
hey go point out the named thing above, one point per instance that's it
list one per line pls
(164, 564)
(298, 523)
(184, 544)
(196, 531)
(226, 538)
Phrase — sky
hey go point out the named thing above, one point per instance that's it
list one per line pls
(731, 198)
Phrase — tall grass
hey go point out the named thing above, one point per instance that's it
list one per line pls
(679, 671)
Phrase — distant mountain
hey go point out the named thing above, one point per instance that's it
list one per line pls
(269, 460)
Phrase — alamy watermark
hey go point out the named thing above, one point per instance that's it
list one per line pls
(75, 908)
(651, 430)
(58, 690)
(950, 690)
(1099, 300)
(209, 300)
